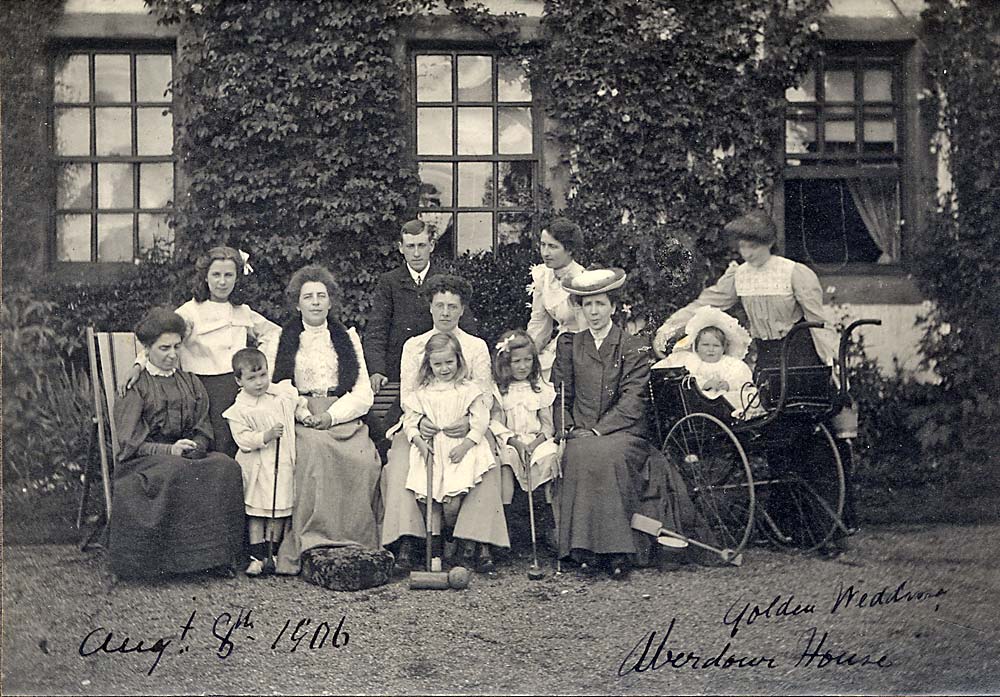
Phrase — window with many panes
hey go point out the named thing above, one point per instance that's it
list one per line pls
(113, 143)
(476, 148)
(843, 154)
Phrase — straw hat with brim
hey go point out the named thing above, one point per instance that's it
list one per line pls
(595, 281)
(736, 336)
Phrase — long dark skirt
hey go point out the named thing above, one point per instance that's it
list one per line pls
(605, 480)
(221, 391)
(801, 351)
(174, 515)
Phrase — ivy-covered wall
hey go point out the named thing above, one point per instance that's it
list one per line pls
(292, 138)
(956, 265)
(27, 178)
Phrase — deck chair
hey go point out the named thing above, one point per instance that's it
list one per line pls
(111, 355)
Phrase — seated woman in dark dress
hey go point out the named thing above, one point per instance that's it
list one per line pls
(177, 506)
(610, 471)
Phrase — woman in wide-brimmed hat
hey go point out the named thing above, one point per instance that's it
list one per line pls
(610, 471)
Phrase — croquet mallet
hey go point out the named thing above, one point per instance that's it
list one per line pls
(269, 565)
(430, 579)
(670, 538)
(534, 573)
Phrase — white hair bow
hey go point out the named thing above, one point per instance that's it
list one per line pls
(247, 269)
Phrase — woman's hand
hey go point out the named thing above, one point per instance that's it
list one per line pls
(182, 446)
(459, 451)
(580, 433)
(276, 431)
(319, 421)
(426, 451)
(377, 381)
(133, 374)
(459, 429)
(428, 429)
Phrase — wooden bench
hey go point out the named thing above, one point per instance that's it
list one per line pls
(384, 399)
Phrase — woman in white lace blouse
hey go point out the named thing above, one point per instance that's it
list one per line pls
(337, 467)
(776, 293)
(552, 313)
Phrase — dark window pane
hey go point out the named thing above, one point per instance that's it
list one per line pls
(152, 78)
(73, 186)
(475, 131)
(513, 227)
(72, 80)
(154, 231)
(72, 132)
(839, 85)
(515, 189)
(434, 131)
(155, 131)
(806, 90)
(433, 78)
(475, 184)
(111, 78)
(73, 237)
(435, 184)
(114, 131)
(512, 82)
(475, 232)
(156, 185)
(514, 124)
(442, 231)
(475, 78)
(822, 224)
(114, 237)
(114, 186)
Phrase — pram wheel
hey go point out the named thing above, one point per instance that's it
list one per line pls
(714, 466)
(804, 495)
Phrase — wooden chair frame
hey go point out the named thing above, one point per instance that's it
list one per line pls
(111, 355)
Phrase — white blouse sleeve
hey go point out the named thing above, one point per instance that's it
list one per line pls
(809, 295)
(267, 334)
(540, 325)
(358, 401)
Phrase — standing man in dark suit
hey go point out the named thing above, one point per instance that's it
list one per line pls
(399, 311)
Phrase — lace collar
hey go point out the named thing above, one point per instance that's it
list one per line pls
(158, 372)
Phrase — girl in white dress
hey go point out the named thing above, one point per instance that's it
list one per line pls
(712, 351)
(218, 325)
(521, 418)
(444, 395)
(263, 413)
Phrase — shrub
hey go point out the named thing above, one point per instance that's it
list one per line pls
(46, 406)
(955, 264)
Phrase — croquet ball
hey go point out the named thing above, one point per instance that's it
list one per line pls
(458, 577)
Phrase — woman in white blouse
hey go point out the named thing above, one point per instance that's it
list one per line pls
(552, 313)
(336, 465)
(776, 293)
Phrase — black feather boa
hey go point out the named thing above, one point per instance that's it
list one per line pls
(347, 359)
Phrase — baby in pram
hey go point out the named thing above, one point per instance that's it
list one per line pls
(712, 351)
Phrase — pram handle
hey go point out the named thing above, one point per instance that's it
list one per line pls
(845, 339)
(797, 327)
